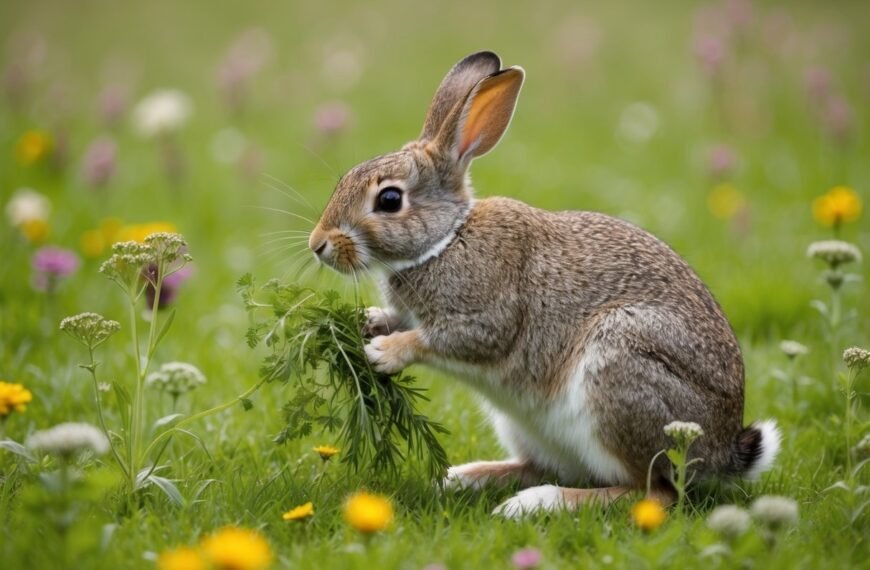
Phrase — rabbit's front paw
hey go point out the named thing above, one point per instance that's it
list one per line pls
(378, 322)
(391, 353)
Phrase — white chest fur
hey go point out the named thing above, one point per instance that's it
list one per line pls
(558, 434)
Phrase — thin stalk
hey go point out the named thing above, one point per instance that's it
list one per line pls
(132, 440)
(849, 380)
(202, 414)
(92, 368)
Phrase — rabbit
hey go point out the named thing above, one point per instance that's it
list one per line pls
(584, 334)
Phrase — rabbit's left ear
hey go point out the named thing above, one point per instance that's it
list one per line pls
(476, 127)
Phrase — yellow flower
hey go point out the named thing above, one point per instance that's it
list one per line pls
(299, 513)
(96, 241)
(32, 147)
(138, 232)
(13, 398)
(36, 231)
(648, 514)
(237, 549)
(326, 451)
(838, 205)
(182, 558)
(725, 201)
(368, 513)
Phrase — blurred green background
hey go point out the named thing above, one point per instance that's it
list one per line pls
(714, 125)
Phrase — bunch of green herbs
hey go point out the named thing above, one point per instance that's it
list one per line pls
(315, 340)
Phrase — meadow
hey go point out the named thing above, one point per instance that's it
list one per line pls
(736, 131)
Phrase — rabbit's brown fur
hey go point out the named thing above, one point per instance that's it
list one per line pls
(586, 334)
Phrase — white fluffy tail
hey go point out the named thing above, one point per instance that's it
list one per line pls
(757, 448)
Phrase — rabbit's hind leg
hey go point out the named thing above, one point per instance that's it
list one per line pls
(477, 474)
(549, 498)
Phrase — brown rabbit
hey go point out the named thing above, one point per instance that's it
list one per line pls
(585, 334)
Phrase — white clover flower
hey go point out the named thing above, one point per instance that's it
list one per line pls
(176, 378)
(856, 358)
(729, 520)
(834, 252)
(683, 433)
(89, 329)
(793, 348)
(775, 512)
(68, 439)
(162, 112)
(27, 205)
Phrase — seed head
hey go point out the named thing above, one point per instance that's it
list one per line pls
(69, 439)
(176, 378)
(857, 359)
(90, 329)
(792, 348)
(683, 433)
(834, 252)
(775, 512)
(729, 520)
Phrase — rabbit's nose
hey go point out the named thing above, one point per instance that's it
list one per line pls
(320, 249)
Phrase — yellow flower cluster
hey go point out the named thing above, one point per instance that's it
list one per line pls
(837, 206)
(368, 513)
(13, 398)
(230, 548)
(725, 201)
(648, 514)
(97, 241)
(33, 146)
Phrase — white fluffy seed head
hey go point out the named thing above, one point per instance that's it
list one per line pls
(176, 378)
(161, 113)
(729, 520)
(68, 439)
(775, 512)
(793, 348)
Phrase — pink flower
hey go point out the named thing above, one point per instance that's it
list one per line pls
(721, 161)
(837, 117)
(711, 52)
(51, 265)
(526, 558)
(98, 164)
(818, 83)
(331, 118)
(112, 102)
(247, 55)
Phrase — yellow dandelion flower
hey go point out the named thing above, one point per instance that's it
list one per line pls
(33, 147)
(111, 228)
(725, 201)
(35, 230)
(92, 243)
(837, 206)
(648, 514)
(326, 451)
(234, 548)
(13, 398)
(299, 513)
(182, 558)
(138, 232)
(368, 513)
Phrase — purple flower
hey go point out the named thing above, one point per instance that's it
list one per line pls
(98, 165)
(837, 117)
(112, 102)
(171, 284)
(818, 83)
(721, 161)
(51, 265)
(526, 558)
(711, 52)
(243, 60)
(435, 566)
(331, 118)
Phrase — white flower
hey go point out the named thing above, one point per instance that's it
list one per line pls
(683, 433)
(27, 205)
(67, 439)
(775, 512)
(856, 358)
(834, 252)
(162, 112)
(793, 348)
(176, 378)
(729, 520)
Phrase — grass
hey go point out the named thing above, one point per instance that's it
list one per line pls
(585, 67)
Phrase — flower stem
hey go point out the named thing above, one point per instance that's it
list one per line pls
(133, 438)
(849, 380)
(92, 368)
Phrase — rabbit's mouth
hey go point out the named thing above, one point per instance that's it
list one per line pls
(336, 249)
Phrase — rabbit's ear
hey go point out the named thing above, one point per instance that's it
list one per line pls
(455, 87)
(477, 127)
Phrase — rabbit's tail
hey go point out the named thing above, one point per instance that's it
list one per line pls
(756, 448)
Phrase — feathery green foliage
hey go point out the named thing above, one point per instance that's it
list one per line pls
(315, 339)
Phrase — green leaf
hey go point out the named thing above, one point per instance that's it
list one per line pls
(169, 489)
(124, 403)
(247, 404)
(167, 420)
(16, 448)
(164, 328)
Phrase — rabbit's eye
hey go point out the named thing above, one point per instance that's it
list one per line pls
(389, 200)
